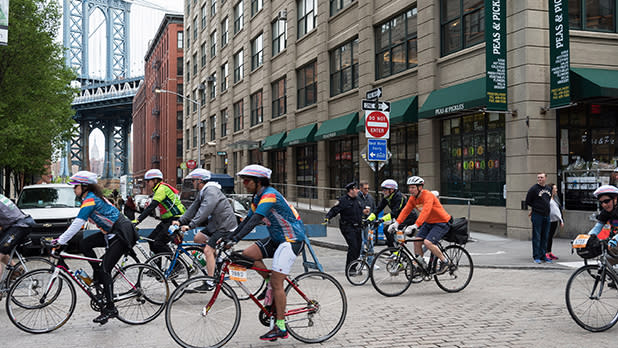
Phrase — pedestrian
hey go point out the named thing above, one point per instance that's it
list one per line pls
(130, 208)
(555, 217)
(350, 219)
(368, 204)
(538, 198)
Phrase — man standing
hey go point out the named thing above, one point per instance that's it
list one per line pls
(368, 204)
(538, 199)
(348, 206)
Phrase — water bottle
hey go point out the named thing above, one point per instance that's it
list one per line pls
(268, 299)
(371, 236)
(200, 257)
(84, 276)
(400, 237)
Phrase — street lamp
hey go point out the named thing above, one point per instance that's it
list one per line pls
(199, 119)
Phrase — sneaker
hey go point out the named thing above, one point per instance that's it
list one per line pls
(106, 314)
(443, 267)
(548, 260)
(275, 333)
(537, 261)
(207, 285)
(552, 256)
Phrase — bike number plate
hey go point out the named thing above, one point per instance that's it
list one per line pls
(238, 273)
(581, 241)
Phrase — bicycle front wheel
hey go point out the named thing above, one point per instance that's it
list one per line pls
(192, 324)
(175, 275)
(460, 273)
(392, 272)
(357, 272)
(592, 299)
(140, 293)
(316, 307)
(38, 302)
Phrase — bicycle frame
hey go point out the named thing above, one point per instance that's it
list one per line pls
(181, 249)
(8, 267)
(426, 270)
(604, 266)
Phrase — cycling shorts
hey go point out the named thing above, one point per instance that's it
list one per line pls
(433, 232)
(283, 254)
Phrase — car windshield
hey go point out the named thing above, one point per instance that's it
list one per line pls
(47, 197)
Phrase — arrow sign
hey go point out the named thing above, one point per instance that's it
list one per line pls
(376, 150)
(376, 105)
(374, 93)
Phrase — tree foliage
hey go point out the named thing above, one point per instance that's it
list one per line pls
(35, 92)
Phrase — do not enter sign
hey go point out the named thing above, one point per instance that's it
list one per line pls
(377, 124)
(191, 164)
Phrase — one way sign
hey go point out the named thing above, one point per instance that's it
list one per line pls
(373, 105)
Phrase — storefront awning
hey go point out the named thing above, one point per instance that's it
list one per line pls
(467, 95)
(274, 141)
(594, 84)
(402, 111)
(337, 127)
(301, 135)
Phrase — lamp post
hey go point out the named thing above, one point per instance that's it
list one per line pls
(199, 119)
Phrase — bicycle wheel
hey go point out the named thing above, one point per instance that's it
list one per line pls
(460, 273)
(36, 304)
(140, 292)
(394, 273)
(317, 307)
(591, 302)
(192, 325)
(357, 272)
(28, 264)
(163, 262)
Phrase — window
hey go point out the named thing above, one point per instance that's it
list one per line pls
(213, 7)
(179, 39)
(179, 66)
(203, 12)
(179, 148)
(307, 85)
(213, 127)
(276, 161)
(213, 86)
(238, 116)
(179, 92)
(224, 29)
(462, 24)
(396, 44)
(279, 98)
(224, 76)
(600, 15)
(188, 137)
(195, 64)
(188, 37)
(179, 120)
(195, 29)
(336, 6)
(203, 54)
(202, 96)
(213, 44)
(257, 49)
(256, 6)
(307, 16)
(238, 17)
(224, 122)
(194, 136)
(403, 146)
(280, 36)
(194, 97)
(344, 68)
(188, 71)
(238, 66)
(202, 132)
(257, 113)
(306, 167)
(342, 163)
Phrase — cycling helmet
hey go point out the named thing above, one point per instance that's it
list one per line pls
(256, 171)
(83, 177)
(389, 184)
(415, 180)
(609, 190)
(199, 173)
(153, 174)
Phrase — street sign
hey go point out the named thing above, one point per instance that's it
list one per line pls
(191, 164)
(376, 105)
(376, 150)
(377, 124)
(374, 165)
(221, 153)
(183, 165)
(374, 93)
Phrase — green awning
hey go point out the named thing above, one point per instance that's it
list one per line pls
(337, 127)
(593, 83)
(456, 98)
(402, 111)
(274, 141)
(301, 135)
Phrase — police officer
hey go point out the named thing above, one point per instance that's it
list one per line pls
(349, 207)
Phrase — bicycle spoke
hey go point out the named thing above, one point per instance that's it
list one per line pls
(590, 301)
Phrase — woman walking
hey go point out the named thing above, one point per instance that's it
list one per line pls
(555, 217)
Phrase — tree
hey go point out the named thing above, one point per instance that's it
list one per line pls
(35, 91)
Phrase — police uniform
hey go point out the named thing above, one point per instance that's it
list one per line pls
(351, 213)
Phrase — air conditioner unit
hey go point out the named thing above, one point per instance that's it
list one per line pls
(210, 79)
(201, 86)
(283, 15)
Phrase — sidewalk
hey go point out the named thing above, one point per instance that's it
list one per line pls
(487, 251)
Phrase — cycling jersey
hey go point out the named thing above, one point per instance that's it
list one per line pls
(169, 202)
(98, 210)
(282, 220)
(431, 210)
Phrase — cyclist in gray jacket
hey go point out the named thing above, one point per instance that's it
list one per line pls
(14, 229)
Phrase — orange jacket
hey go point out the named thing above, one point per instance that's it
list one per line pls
(429, 206)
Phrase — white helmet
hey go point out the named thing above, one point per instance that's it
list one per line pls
(199, 173)
(256, 171)
(153, 174)
(389, 184)
(83, 177)
(415, 180)
(609, 190)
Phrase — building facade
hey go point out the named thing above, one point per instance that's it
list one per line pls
(281, 83)
(157, 117)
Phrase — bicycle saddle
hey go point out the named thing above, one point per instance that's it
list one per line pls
(241, 260)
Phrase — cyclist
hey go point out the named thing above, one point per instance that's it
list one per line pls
(166, 202)
(118, 235)
(14, 228)
(285, 241)
(395, 201)
(432, 223)
(608, 199)
(211, 209)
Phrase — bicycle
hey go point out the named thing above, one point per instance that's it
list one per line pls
(357, 272)
(591, 295)
(399, 268)
(43, 300)
(316, 305)
(23, 265)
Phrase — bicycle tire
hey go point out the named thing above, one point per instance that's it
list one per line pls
(28, 290)
(163, 262)
(589, 310)
(31, 263)
(394, 273)
(324, 296)
(357, 272)
(460, 273)
(189, 327)
(140, 293)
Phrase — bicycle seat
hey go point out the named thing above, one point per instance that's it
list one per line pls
(241, 260)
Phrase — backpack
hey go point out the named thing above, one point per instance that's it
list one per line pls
(458, 232)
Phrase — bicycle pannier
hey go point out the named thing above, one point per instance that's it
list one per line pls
(458, 233)
(592, 249)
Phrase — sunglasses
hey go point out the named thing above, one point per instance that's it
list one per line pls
(605, 201)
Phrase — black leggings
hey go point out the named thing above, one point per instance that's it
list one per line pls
(161, 237)
(550, 238)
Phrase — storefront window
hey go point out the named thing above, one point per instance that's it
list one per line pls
(306, 170)
(255, 156)
(472, 160)
(403, 146)
(342, 164)
(276, 163)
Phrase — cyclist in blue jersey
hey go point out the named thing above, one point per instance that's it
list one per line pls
(118, 235)
(285, 241)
